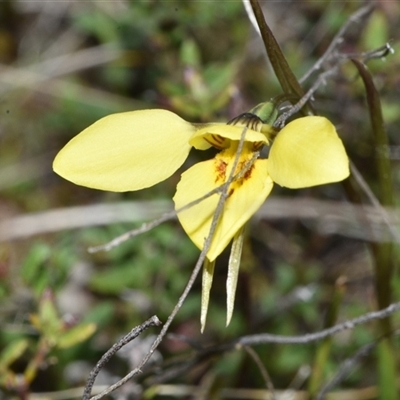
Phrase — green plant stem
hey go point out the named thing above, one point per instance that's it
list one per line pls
(288, 81)
(324, 348)
(382, 252)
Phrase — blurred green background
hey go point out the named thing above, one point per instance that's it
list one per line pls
(63, 65)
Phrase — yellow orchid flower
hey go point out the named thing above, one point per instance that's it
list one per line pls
(134, 150)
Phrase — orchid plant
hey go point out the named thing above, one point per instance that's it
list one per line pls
(134, 150)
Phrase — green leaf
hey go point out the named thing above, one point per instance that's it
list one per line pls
(190, 54)
(76, 335)
(31, 268)
(12, 352)
(47, 320)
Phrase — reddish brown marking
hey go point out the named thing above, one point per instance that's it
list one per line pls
(230, 193)
(239, 182)
(247, 174)
(220, 169)
(212, 143)
(257, 145)
(218, 138)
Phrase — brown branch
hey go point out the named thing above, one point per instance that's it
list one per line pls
(133, 334)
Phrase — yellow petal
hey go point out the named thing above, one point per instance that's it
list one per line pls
(220, 135)
(126, 151)
(308, 152)
(244, 200)
(233, 273)
(208, 274)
